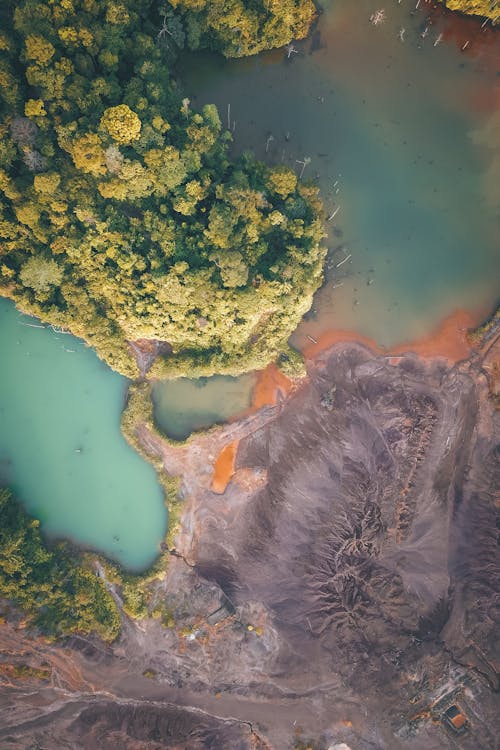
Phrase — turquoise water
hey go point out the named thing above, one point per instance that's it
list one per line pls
(183, 406)
(404, 137)
(61, 448)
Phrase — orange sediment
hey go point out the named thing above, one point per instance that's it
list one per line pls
(472, 37)
(337, 336)
(448, 340)
(224, 467)
(269, 383)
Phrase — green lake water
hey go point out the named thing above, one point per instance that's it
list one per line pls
(184, 405)
(61, 449)
(403, 136)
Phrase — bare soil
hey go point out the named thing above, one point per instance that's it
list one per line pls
(343, 588)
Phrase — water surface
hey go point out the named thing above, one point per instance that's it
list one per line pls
(184, 406)
(61, 449)
(403, 136)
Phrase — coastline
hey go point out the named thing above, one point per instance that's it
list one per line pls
(451, 340)
(448, 340)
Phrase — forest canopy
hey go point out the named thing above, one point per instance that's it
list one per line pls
(57, 592)
(122, 216)
(238, 28)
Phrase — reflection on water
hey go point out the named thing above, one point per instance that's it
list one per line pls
(402, 131)
(183, 406)
(61, 449)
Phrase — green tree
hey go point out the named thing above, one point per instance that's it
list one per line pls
(58, 592)
(122, 124)
(41, 274)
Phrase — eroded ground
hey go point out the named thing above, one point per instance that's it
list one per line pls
(343, 588)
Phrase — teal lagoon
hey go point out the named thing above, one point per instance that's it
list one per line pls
(184, 406)
(61, 448)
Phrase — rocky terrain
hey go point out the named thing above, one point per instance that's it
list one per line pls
(343, 589)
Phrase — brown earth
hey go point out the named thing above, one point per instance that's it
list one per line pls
(343, 588)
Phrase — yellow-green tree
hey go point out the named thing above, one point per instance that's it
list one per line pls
(41, 274)
(122, 215)
(486, 8)
(88, 154)
(122, 124)
(38, 49)
(282, 181)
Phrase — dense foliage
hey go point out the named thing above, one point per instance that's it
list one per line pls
(122, 217)
(486, 8)
(58, 593)
(239, 27)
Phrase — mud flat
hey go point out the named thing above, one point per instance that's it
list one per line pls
(343, 588)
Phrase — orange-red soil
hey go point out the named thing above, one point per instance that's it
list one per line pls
(224, 467)
(269, 383)
(448, 340)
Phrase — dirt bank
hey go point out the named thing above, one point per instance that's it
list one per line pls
(270, 385)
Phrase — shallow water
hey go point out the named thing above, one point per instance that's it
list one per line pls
(403, 136)
(61, 449)
(183, 406)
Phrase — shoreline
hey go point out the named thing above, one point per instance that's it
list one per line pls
(448, 340)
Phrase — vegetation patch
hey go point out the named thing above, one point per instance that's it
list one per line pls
(136, 590)
(480, 335)
(59, 592)
(121, 214)
(24, 672)
(238, 28)
(486, 8)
